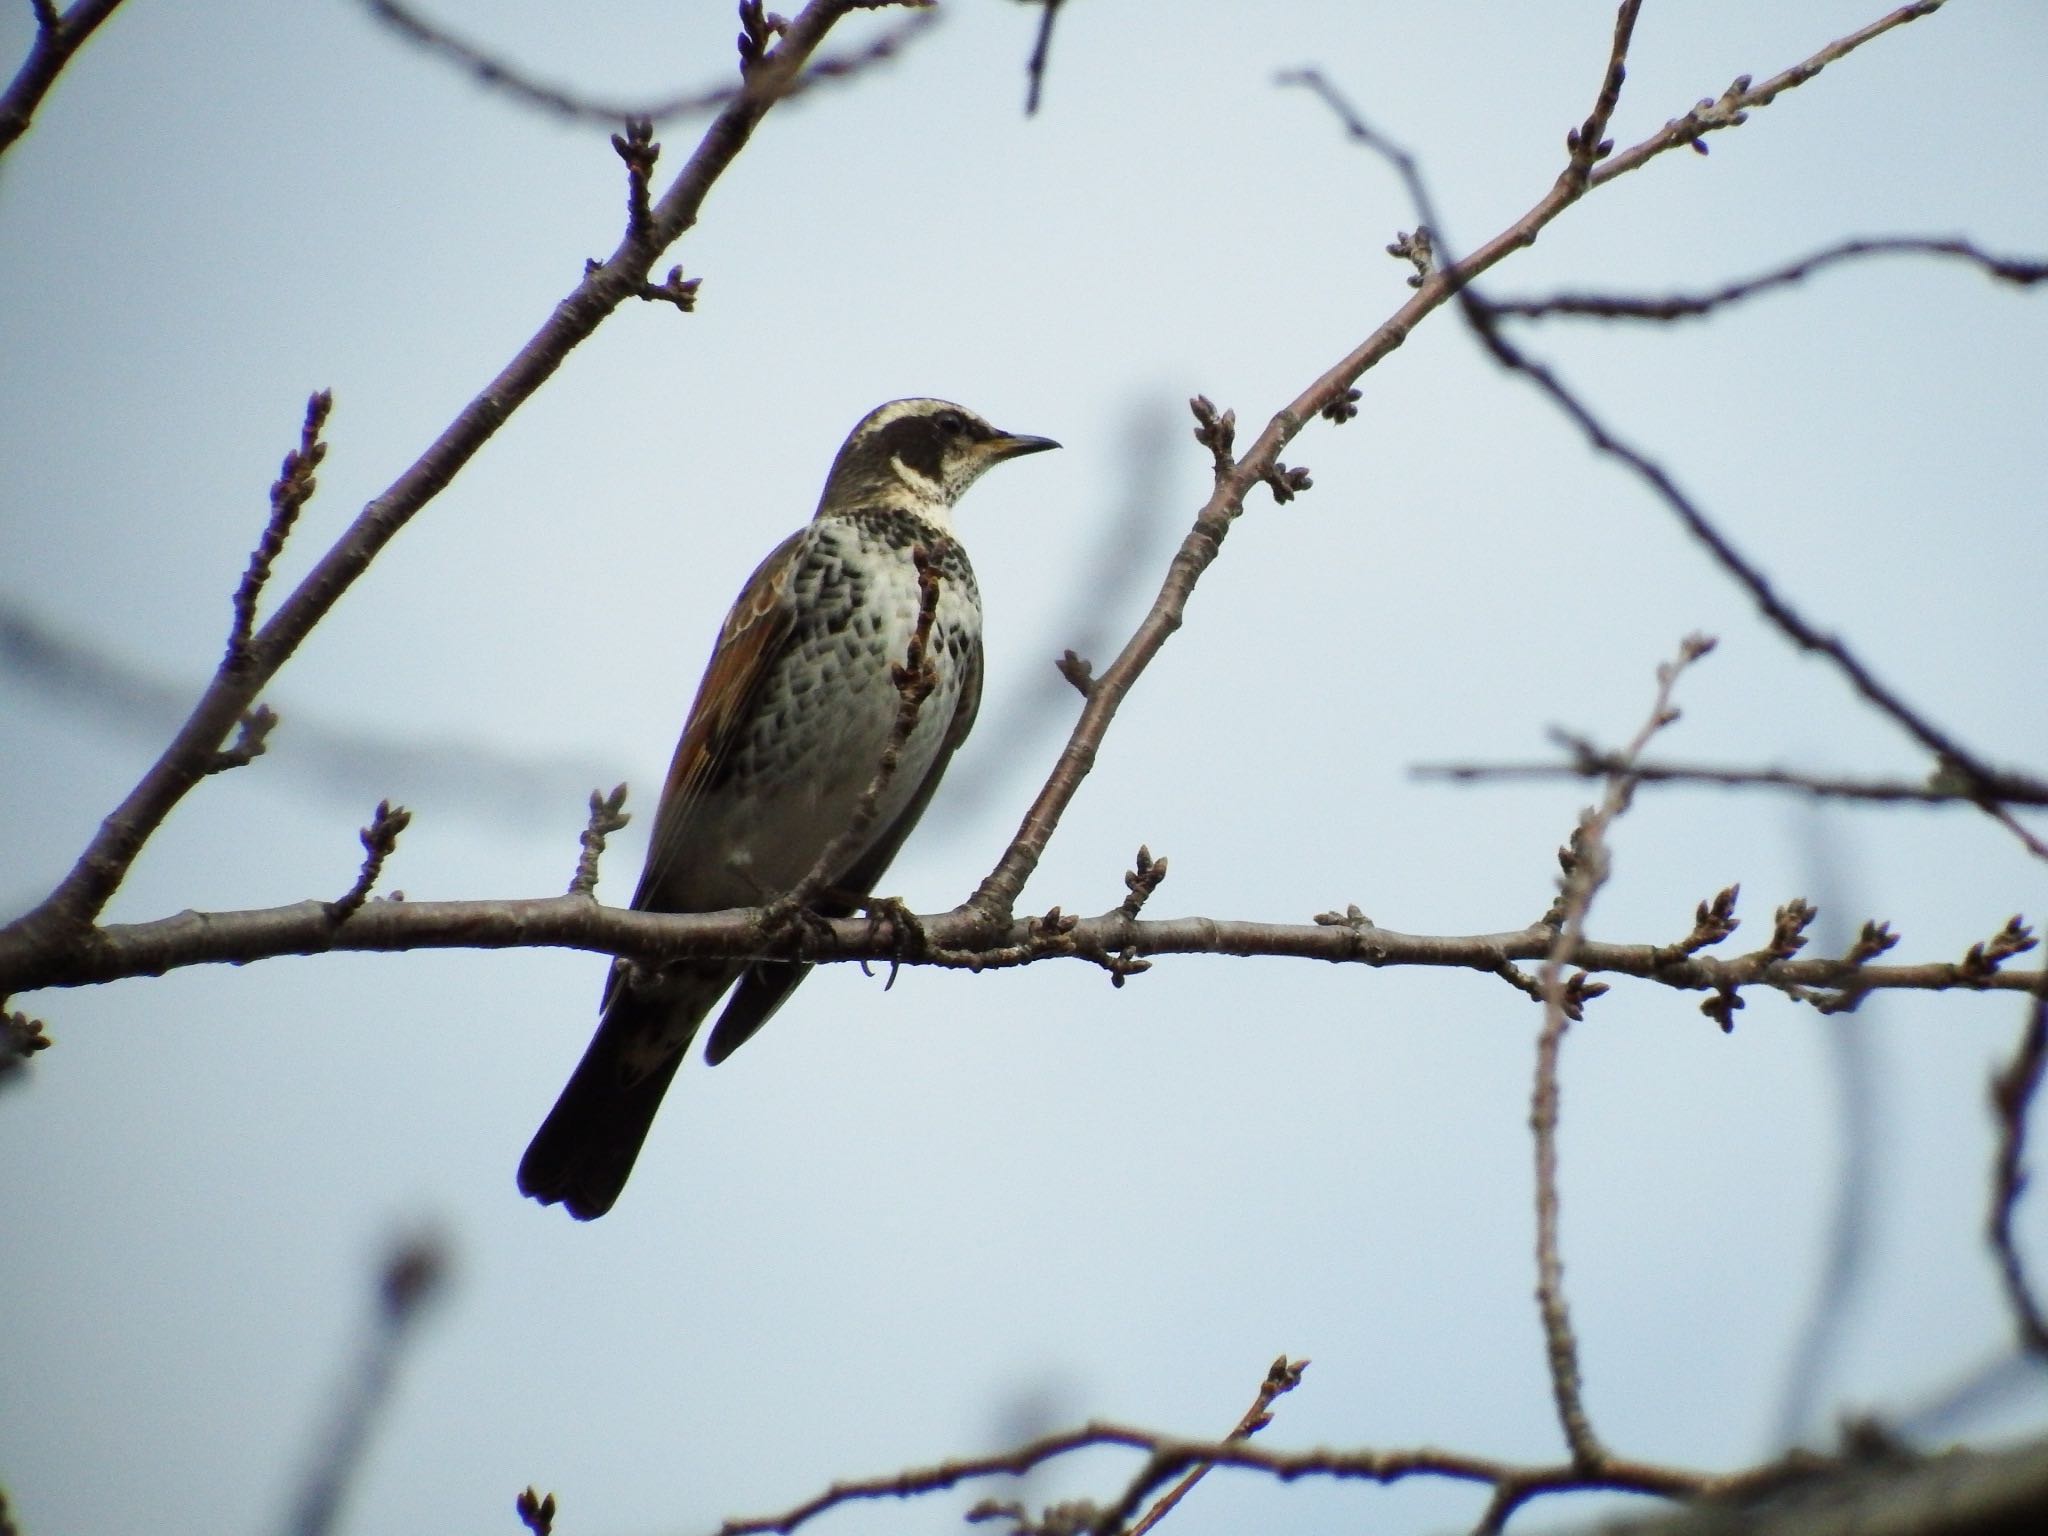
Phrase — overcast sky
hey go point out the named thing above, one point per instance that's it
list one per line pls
(909, 1224)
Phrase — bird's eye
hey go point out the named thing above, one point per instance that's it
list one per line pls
(952, 422)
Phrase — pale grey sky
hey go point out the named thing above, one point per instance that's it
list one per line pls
(905, 1225)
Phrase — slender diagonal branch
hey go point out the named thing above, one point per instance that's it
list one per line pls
(1283, 1377)
(59, 36)
(1585, 873)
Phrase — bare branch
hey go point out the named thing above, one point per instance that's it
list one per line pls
(59, 36)
(2012, 1097)
(495, 73)
(2023, 272)
(1140, 881)
(957, 940)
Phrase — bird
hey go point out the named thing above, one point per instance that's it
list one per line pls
(781, 748)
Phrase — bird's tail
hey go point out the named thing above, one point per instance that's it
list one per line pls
(585, 1149)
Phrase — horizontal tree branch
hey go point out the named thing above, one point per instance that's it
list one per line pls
(1169, 1456)
(954, 939)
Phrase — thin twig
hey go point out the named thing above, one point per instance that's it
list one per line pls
(2023, 272)
(2012, 1096)
(59, 36)
(289, 493)
(495, 73)
(1589, 142)
(380, 841)
(1282, 1377)
(1586, 872)
(607, 815)
(958, 940)
(1591, 762)
(252, 740)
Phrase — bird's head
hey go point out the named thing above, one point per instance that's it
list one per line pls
(918, 456)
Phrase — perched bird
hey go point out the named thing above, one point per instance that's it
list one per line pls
(781, 747)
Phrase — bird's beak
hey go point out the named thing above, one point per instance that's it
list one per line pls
(1009, 445)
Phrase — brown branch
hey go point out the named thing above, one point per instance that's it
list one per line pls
(59, 36)
(495, 73)
(1591, 762)
(2023, 272)
(2012, 1096)
(289, 493)
(958, 940)
(1586, 870)
(1282, 1377)
(67, 913)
